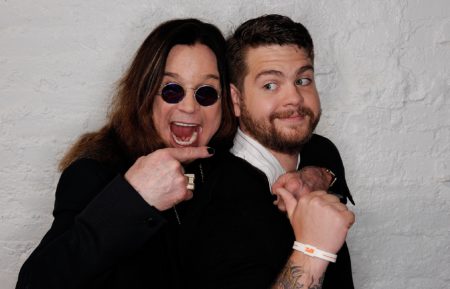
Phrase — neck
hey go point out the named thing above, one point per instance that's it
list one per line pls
(287, 161)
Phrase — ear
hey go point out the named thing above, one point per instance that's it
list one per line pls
(236, 98)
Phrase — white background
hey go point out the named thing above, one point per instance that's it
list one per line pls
(383, 72)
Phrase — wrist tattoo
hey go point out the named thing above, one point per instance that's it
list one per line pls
(289, 277)
(319, 284)
(294, 277)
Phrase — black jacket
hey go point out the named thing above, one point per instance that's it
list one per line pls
(105, 235)
(234, 237)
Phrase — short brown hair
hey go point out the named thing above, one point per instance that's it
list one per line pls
(270, 29)
(130, 132)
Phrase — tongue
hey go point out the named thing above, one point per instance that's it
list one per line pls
(182, 131)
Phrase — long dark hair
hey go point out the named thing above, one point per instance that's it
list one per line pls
(129, 132)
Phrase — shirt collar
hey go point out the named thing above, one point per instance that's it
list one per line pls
(247, 148)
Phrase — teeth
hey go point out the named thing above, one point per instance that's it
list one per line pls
(187, 142)
(184, 124)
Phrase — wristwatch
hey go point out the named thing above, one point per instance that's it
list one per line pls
(333, 177)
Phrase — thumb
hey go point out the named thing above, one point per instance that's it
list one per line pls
(279, 183)
(188, 154)
(289, 200)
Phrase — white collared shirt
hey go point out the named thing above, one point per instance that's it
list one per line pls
(258, 156)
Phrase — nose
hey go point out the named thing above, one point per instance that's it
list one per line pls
(293, 96)
(188, 104)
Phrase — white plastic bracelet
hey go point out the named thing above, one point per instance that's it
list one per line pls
(314, 252)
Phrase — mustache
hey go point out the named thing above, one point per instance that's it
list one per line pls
(302, 111)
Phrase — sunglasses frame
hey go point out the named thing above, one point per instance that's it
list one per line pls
(184, 93)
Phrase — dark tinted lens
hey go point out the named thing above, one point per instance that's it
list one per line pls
(206, 95)
(172, 93)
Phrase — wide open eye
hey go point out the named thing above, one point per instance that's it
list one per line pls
(303, 81)
(270, 86)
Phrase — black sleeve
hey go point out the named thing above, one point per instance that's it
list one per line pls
(320, 151)
(98, 219)
(339, 274)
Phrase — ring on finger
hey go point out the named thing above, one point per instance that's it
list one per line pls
(190, 181)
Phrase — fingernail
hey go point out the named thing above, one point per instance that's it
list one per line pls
(211, 151)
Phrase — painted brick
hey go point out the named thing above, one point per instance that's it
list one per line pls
(383, 74)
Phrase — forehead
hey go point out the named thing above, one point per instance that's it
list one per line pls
(276, 57)
(191, 61)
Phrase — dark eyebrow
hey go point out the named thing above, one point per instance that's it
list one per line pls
(269, 72)
(279, 73)
(176, 75)
(305, 68)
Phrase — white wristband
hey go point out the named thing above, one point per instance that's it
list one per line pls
(314, 252)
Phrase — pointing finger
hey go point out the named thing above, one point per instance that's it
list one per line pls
(188, 154)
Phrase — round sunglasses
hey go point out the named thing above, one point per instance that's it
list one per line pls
(205, 95)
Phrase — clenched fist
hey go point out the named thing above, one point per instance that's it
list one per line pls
(318, 219)
(302, 182)
(159, 177)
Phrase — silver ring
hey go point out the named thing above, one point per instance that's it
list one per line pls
(191, 178)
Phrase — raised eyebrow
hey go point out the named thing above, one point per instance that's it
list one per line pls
(269, 72)
(305, 68)
(279, 73)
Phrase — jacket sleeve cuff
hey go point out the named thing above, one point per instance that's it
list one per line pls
(120, 212)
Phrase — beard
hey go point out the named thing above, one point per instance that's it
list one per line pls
(267, 133)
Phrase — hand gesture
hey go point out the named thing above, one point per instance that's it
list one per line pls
(159, 177)
(299, 183)
(318, 219)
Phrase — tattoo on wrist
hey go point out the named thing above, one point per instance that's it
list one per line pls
(294, 277)
(289, 277)
(319, 284)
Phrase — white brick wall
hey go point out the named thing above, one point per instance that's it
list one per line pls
(384, 76)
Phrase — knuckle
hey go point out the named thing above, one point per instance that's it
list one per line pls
(185, 195)
(315, 194)
(140, 161)
(179, 180)
(343, 221)
(344, 206)
(334, 198)
(316, 201)
(351, 217)
(172, 165)
(305, 200)
(178, 196)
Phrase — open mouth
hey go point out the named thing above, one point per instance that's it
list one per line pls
(185, 134)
